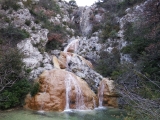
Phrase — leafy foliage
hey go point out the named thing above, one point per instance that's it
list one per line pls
(13, 78)
(13, 86)
(108, 63)
(142, 92)
(28, 22)
(137, 82)
(49, 4)
(34, 89)
(12, 34)
(52, 45)
(14, 95)
(7, 4)
(110, 31)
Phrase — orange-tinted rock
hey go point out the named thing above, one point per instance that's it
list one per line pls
(52, 95)
(108, 92)
(55, 62)
(63, 63)
(65, 57)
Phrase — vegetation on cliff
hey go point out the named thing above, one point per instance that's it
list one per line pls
(138, 81)
(13, 76)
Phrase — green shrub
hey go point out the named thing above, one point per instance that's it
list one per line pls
(110, 29)
(28, 22)
(37, 21)
(126, 50)
(137, 40)
(14, 95)
(27, 3)
(49, 4)
(108, 63)
(33, 28)
(12, 34)
(6, 19)
(34, 89)
(7, 4)
(13, 83)
(96, 27)
(51, 45)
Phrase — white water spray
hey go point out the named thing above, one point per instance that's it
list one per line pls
(68, 88)
(101, 95)
(69, 81)
(73, 44)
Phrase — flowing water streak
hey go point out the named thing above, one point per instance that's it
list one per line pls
(68, 57)
(94, 103)
(101, 95)
(68, 88)
(42, 102)
(73, 44)
(79, 97)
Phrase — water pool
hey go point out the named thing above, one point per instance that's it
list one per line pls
(97, 114)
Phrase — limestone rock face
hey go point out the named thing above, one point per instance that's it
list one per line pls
(53, 93)
(33, 47)
(81, 67)
(90, 48)
(108, 93)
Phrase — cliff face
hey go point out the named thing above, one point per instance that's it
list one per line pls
(53, 28)
(65, 36)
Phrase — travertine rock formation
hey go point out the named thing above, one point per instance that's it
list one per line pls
(55, 86)
(107, 93)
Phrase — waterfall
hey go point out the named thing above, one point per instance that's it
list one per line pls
(68, 88)
(69, 81)
(85, 24)
(73, 45)
(94, 103)
(101, 90)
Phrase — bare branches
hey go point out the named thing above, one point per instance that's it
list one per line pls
(10, 67)
(133, 94)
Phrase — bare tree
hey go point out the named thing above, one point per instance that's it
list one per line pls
(133, 87)
(10, 66)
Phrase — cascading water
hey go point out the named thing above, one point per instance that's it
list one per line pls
(85, 24)
(100, 95)
(73, 44)
(69, 81)
(68, 88)
(94, 103)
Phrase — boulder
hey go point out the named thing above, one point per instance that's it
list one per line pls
(52, 95)
(81, 67)
(108, 93)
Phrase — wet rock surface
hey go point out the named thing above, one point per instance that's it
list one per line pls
(52, 93)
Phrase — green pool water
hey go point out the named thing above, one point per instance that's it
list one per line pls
(97, 114)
